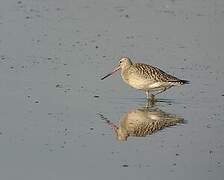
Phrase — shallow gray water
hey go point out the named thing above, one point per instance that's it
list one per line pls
(52, 55)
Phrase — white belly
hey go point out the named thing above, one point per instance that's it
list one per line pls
(145, 84)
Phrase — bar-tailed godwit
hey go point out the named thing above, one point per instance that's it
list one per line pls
(146, 77)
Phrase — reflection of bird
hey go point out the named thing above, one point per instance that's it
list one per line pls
(145, 77)
(142, 122)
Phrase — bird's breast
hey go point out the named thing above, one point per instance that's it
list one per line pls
(137, 81)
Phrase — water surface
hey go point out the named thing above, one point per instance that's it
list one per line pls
(52, 56)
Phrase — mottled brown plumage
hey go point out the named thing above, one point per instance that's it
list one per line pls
(145, 77)
(152, 73)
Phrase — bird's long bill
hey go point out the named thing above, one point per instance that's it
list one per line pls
(115, 70)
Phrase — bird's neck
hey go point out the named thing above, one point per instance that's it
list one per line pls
(126, 67)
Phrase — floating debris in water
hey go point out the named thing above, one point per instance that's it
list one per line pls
(210, 151)
(59, 86)
(127, 16)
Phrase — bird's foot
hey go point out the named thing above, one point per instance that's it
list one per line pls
(151, 101)
(152, 97)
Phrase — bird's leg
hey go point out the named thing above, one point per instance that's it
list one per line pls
(148, 104)
(163, 89)
(147, 94)
(152, 97)
(150, 100)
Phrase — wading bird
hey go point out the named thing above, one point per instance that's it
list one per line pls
(146, 77)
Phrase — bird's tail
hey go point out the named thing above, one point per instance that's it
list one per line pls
(184, 82)
(180, 82)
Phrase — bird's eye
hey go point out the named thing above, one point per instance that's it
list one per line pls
(120, 62)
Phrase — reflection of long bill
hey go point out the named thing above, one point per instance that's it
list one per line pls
(115, 70)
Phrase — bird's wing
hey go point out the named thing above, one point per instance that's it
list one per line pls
(153, 73)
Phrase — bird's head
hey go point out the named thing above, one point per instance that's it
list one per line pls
(124, 63)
